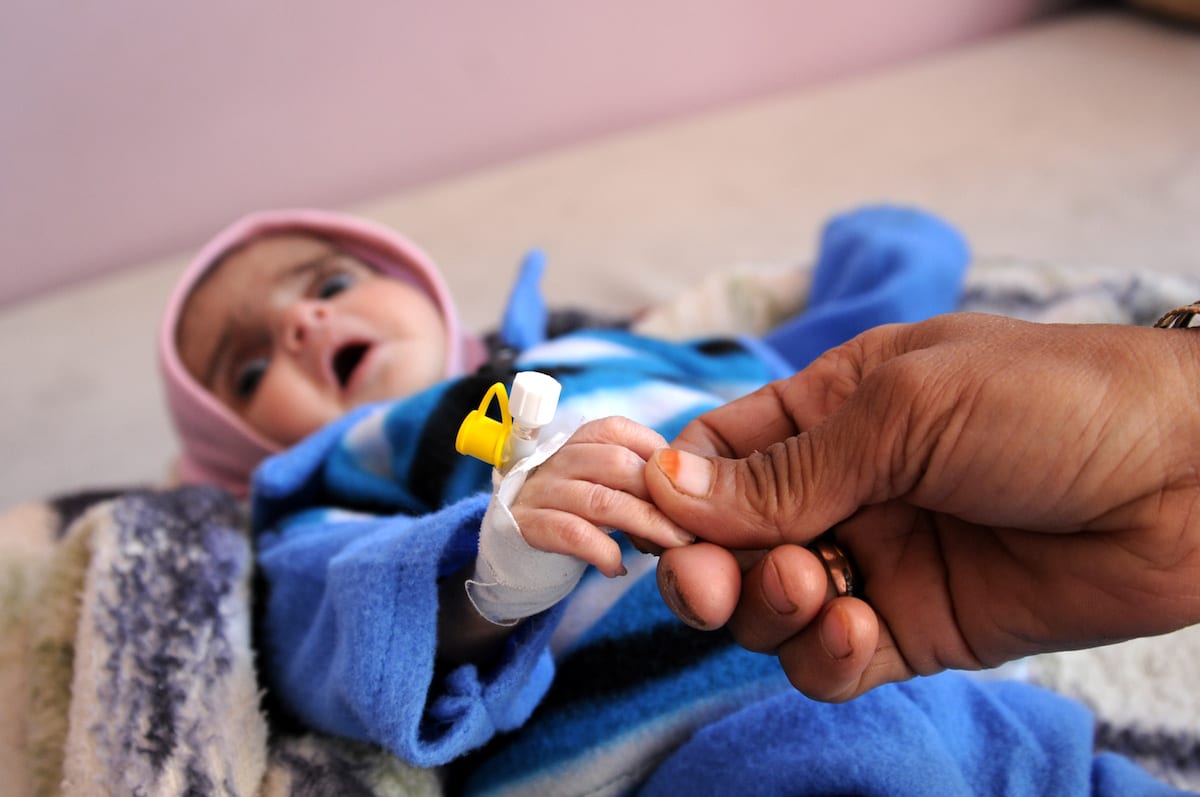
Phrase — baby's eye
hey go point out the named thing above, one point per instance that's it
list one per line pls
(334, 284)
(249, 376)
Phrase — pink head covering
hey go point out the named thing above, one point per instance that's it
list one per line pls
(218, 446)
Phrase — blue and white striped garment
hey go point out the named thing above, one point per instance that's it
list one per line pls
(361, 521)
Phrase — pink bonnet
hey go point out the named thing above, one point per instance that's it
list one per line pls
(218, 447)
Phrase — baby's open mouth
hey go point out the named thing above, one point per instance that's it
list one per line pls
(346, 361)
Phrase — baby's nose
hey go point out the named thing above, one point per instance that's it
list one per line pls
(301, 321)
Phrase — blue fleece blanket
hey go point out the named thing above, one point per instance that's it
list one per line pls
(947, 735)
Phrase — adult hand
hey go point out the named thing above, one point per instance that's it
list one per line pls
(1005, 488)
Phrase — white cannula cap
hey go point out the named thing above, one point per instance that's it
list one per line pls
(534, 399)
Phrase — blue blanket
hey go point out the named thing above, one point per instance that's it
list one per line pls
(946, 735)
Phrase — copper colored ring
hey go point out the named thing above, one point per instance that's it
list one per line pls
(841, 570)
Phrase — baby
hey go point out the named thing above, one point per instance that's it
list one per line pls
(410, 601)
(235, 399)
(333, 313)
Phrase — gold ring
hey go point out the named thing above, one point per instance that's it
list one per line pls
(841, 570)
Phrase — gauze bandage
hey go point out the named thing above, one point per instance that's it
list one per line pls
(512, 579)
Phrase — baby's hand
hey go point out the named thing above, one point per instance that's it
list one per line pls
(595, 481)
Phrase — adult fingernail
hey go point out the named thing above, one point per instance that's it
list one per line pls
(669, 587)
(772, 587)
(835, 633)
(690, 474)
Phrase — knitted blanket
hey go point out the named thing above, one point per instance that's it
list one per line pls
(127, 663)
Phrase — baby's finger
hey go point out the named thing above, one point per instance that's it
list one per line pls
(620, 431)
(603, 506)
(565, 533)
(613, 466)
(599, 506)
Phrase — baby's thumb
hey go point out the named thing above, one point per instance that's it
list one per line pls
(790, 493)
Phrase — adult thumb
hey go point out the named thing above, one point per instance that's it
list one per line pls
(791, 492)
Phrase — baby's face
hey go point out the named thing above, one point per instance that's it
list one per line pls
(290, 333)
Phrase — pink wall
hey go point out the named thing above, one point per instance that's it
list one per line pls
(133, 129)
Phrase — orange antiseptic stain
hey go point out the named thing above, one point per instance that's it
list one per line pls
(668, 462)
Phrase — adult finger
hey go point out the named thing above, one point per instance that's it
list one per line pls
(872, 448)
(566, 520)
(831, 650)
(781, 594)
(701, 584)
(844, 653)
(780, 495)
(789, 406)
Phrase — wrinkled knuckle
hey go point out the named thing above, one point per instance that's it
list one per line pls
(625, 460)
(593, 430)
(599, 500)
(774, 483)
(572, 534)
(613, 427)
(896, 384)
(844, 362)
(605, 423)
(843, 695)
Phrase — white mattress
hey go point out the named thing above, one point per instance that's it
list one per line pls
(1073, 142)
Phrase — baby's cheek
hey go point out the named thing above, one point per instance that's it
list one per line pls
(287, 413)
